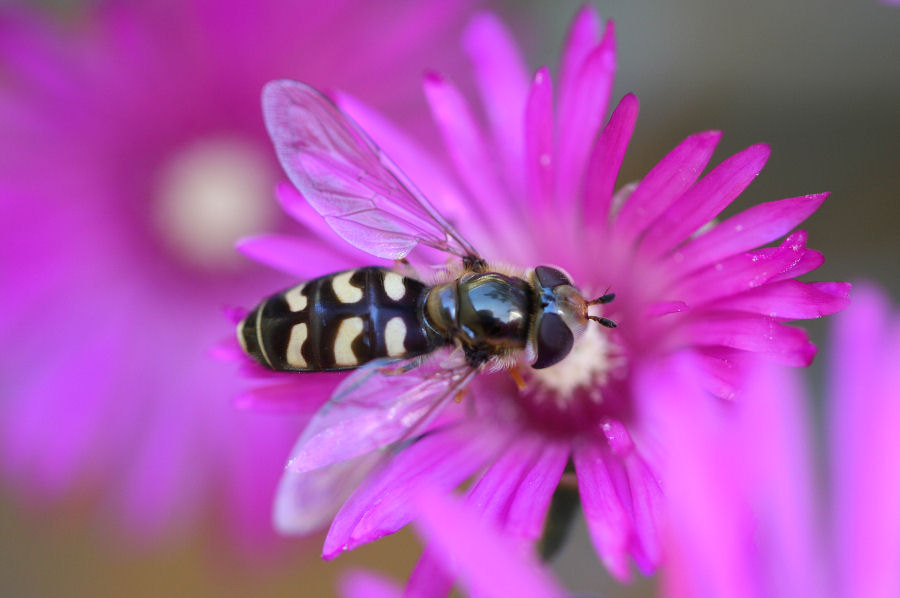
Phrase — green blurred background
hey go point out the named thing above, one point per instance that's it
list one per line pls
(817, 80)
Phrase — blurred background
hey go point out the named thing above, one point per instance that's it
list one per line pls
(818, 81)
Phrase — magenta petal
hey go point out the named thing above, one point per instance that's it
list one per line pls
(528, 509)
(492, 493)
(461, 538)
(781, 479)
(430, 577)
(582, 37)
(705, 200)
(466, 146)
(705, 524)
(304, 397)
(502, 79)
(606, 159)
(743, 272)
(382, 505)
(514, 493)
(721, 371)
(790, 299)
(664, 308)
(665, 183)
(766, 336)
(363, 584)
(646, 501)
(747, 230)
(539, 142)
(810, 259)
(865, 447)
(580, 120)
(301, 257)
(607, 518)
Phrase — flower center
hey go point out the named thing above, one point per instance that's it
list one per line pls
(211, 193)
(585, 371)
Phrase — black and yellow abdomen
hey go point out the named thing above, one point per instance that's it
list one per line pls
(340, 321)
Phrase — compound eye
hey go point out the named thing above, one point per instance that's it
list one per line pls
(554, 341)
(550, 277)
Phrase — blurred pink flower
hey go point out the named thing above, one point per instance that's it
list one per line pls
(748, 514)
(133, 156)
(536, 186)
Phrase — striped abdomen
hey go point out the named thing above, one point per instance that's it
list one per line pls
(339, 321)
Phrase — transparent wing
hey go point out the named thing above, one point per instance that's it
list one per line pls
(370, 416)
(347, 179)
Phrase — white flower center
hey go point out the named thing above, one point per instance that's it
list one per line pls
(211, 193)
(586, 368)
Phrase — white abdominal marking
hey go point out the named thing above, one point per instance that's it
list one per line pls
(395, 337)
(295, 298)
(343, 344)
(343, 290)
(294, 355)
(394, 286)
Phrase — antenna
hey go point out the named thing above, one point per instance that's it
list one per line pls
(606, 297)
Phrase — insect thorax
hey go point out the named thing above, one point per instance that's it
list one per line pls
(488, 313)
(339, 321)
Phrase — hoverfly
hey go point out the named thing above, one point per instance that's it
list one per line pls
(380, 322)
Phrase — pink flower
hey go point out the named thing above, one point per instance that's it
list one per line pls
(133, 156)
(749, 516)
(534, 186)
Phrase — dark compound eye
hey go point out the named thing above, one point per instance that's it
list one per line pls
(554, 341)
(550, 277)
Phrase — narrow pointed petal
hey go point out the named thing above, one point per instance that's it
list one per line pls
(751, 228)
(863, 418)
(582, 37)
(810, 259)
(429, 578)
(606, 159)
(790, 300)
(607, 518)
(783, 344)
(466, 146)
(580, 120)
(646, 502)
(502, 79)
(665, 183)
(528, 509)
(382, 505)
(463, 539)
(539, 143)
(705, 200)
(743, 272)
(301, 257)
(492, 493)
(705, 524)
